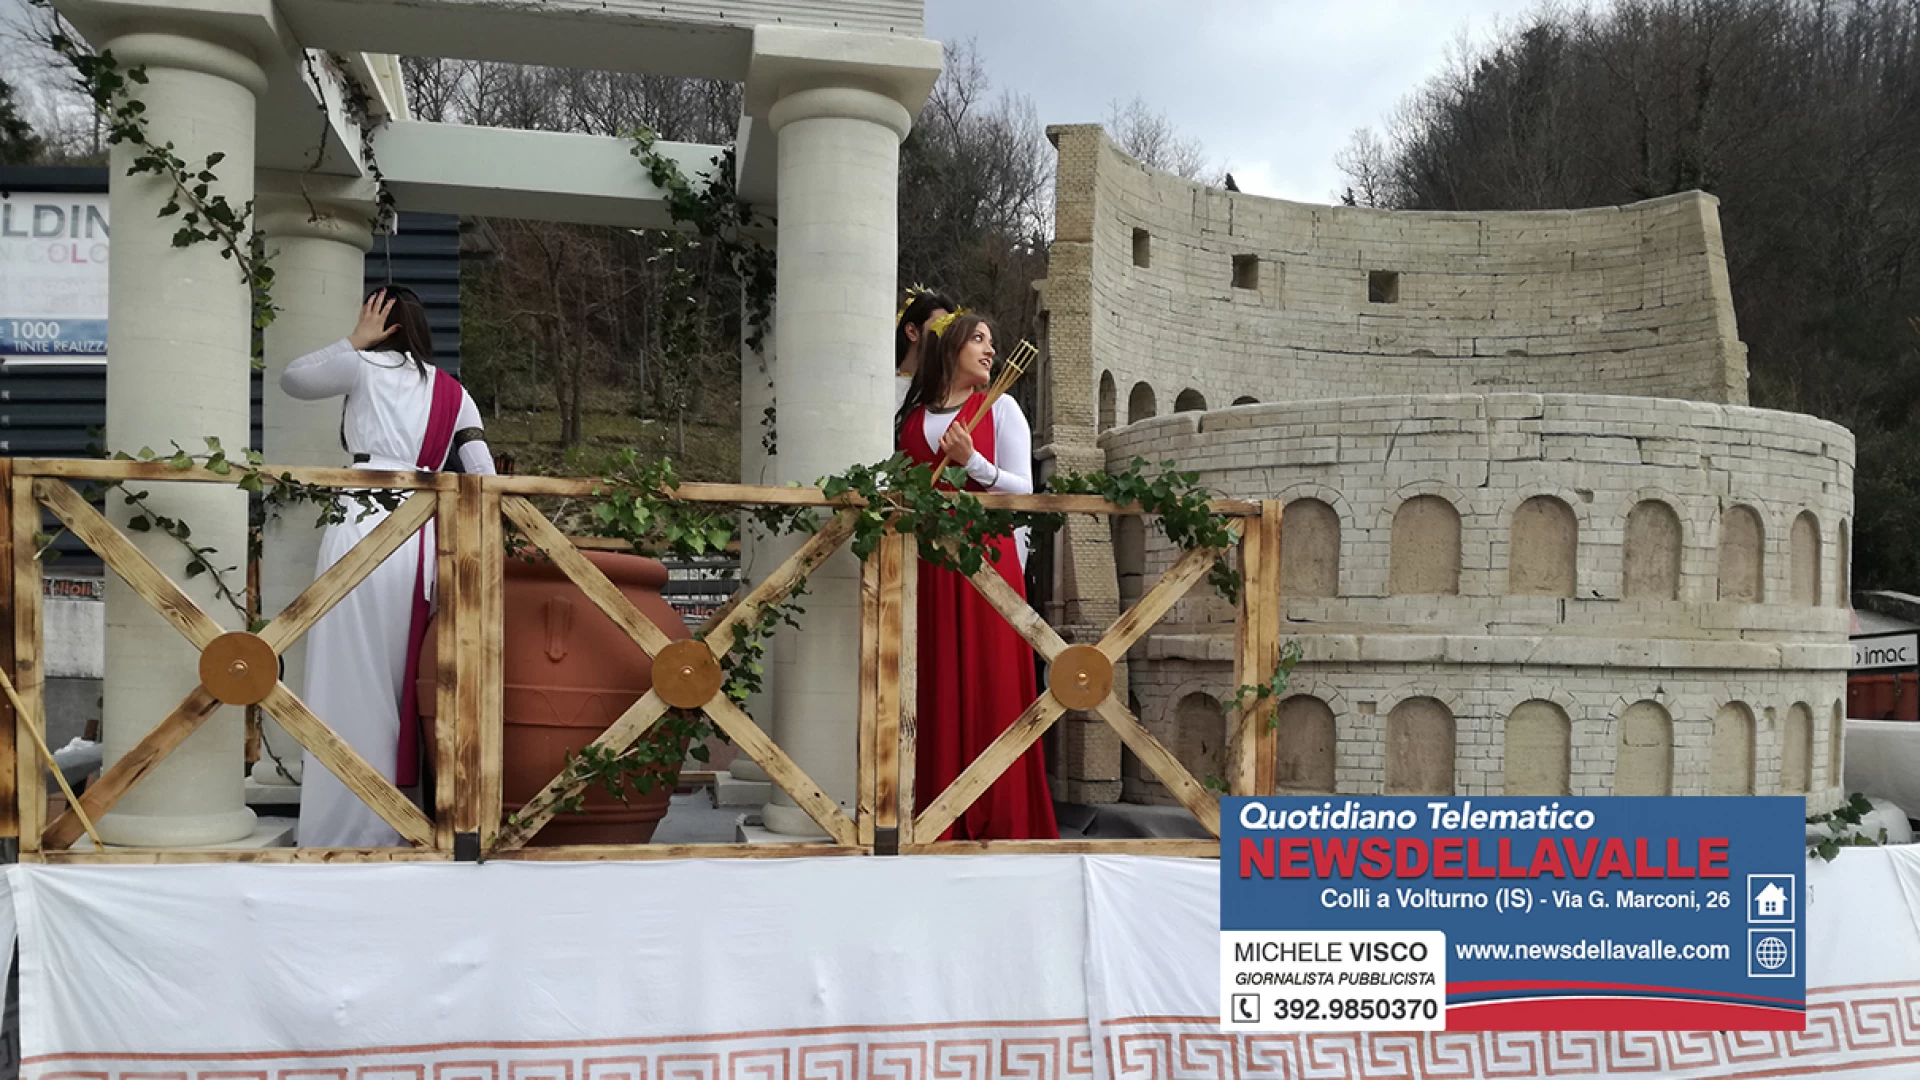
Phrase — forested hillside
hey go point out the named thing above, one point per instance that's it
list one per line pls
(1802, 116)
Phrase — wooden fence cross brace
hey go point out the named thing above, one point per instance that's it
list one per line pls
(643, 714)
(1032, 723)
(200, 630)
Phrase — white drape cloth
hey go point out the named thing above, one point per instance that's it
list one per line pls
(357, 653)
(908, 968)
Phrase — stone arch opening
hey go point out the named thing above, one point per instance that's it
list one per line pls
(1796, 750)
(1644, 761)
(1539, 750)
(1308, 746)
(1651, 568)
(1731, 755)
(1199, 736)
(1310, 557)
(1246, 400)
(1107, 396)
(1425, 555)
(1420, 748)
(1803, 547)
(1190, 400)
(1544, 548)
(1743, 556)
(1843, 579)
(1140, 403)
(1836, 745)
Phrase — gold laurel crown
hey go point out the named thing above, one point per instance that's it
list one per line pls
(914, 292)
(939, 325)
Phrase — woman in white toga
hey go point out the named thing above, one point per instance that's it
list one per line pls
(402, 414)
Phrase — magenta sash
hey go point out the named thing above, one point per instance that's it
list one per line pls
(433, 456)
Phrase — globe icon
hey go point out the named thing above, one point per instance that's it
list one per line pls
(1770, 953)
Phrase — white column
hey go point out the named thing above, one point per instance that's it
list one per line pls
(319, 230)
(179, 334)
(839, 155)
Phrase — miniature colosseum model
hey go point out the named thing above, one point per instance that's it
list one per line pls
(1534, 542)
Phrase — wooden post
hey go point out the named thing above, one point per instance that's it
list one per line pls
(884, 748)
(28, 675)
(468, 604)
(909, 710)
(1243, 748)
(491, 537)
(863, 816)
(1267, 601)
(253, 613)
(449, 788)
(9, 811)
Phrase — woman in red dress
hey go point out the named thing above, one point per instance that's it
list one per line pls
(976, 672)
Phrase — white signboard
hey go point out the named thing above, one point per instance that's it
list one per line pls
(53, 276)
(1891, 651)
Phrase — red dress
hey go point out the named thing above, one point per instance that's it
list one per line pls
(976, 678)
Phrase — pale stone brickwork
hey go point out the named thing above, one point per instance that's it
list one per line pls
(1642, 683)
(1456, 387)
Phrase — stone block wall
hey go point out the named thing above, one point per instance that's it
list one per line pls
(1521, 593)
(1202, 297)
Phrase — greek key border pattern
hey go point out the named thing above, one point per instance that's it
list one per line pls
(1860, 1029)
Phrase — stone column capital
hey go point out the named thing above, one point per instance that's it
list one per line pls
(310, 206)
(800, 74)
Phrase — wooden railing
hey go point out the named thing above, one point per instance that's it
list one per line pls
(466, 821)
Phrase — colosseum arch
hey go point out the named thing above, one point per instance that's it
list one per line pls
(1843, 580)
(1836, 745)
(1190, 400)
(1539, 750)
(1420, 748)
(1310, 556)
(1731, 755)
(1796, 750)
(1544, 548)
(1107, 395)
(1651, 559)
(1644, 760)
(1308, 746)
(1804, 559)
(1743, 556)
(1140, 403)
(1424, 559)
(1199, 734)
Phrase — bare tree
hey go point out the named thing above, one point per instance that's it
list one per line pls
(1147, 134)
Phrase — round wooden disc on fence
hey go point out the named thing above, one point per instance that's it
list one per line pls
(1081, 677)
(686, 674)
(239, 668)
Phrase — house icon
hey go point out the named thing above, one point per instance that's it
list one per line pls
(1772, 901)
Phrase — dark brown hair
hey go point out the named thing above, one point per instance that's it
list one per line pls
(407, 323)
(932, 380)
(917, 313)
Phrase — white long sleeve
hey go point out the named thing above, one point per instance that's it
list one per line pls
(1011, 470)
(324, 373)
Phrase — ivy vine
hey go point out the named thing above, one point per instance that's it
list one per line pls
(205, 215)
(1180, 505)
(1843, 826)
(715, 211)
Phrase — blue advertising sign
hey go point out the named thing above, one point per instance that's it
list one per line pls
(1476, 914)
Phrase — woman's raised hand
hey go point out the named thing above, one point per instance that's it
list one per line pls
(372, 329)
(956, 444)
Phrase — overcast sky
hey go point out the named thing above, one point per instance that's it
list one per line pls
(1274, 87)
